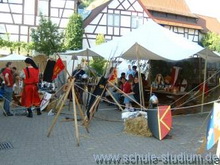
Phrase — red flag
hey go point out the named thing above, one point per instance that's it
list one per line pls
(113, 77)
(59, 66)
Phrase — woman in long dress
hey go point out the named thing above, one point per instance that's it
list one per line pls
(30, 96)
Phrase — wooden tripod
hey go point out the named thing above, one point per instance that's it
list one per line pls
(75, 101)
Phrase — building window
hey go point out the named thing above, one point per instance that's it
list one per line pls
(136, 21)
(114, 20)
(43, 7)
(29, 7)
(13, 1)
(193, 20)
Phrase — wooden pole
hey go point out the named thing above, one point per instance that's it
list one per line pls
(126, 95)
(91, 110)
(81, 112)
(114, 99)
(60, 108)
(140, 83)
(94, 107)
(204, 82)
(59, 101)
(202, 146)
(74, 113)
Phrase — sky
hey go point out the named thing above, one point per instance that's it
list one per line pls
(205, 7)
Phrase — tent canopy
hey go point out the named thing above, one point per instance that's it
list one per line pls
(13, 57)
(83, 52)
(151, 42)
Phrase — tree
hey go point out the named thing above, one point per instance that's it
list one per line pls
(99, 63)
(212, 41)
(85, 3)
(46, 38)
(7, 43)
(100, 38)
(74, 33)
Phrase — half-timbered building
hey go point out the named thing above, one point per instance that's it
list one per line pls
(17, 17)
(114, 18)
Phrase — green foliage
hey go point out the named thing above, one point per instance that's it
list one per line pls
(6, 43)
(85, 3)
(46, 38)
(74, 33)
(99, 63)
(16, 46)
(212, 41)
(100, 38)
(1, 42)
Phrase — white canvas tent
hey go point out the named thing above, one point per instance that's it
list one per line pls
(13, 57)
(150, 41)
(83, 52)
(153, 42)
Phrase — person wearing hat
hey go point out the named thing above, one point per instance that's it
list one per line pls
(30, 96)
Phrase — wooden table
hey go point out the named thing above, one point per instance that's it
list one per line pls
(175, 99)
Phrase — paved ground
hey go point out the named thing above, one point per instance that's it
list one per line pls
(32, 146)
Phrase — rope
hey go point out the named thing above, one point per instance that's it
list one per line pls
(200, 128)
(19, 106)
(113, 103)
(191, 98)
(186, 107)
(104, 119)
(195, 87)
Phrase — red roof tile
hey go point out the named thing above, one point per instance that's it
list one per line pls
(209, 24)
(177, 23)
(178, 7)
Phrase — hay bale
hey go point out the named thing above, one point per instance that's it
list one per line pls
(137, 126)
(51, 105)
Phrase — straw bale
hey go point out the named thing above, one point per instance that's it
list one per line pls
(52, 105)
(137, 126)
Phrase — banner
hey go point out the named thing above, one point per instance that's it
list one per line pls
(114, 76)
(213, 128)
(59, 66)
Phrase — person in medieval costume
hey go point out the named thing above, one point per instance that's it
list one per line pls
(30, 96)
(8, 88)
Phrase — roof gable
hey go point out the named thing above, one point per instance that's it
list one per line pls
(94, 12)
(98, 6)
(209, 24)
(178, 7)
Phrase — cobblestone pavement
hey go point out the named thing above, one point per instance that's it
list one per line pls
(31, 146)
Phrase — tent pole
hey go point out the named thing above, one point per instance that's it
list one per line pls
(204, 82)
(87, 54)
(140, 80)
(73, 65)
